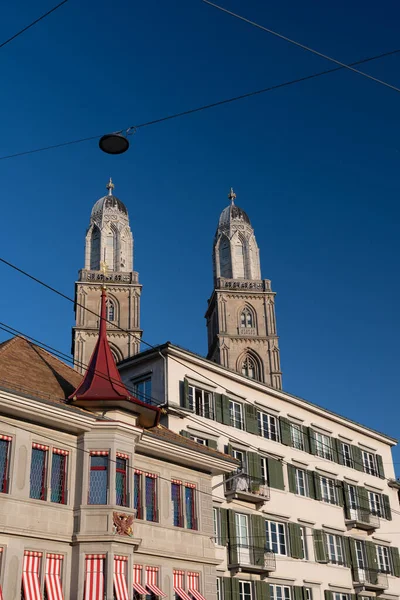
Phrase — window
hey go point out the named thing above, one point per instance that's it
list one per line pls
(249, 368)
(245, 590)
(346, 455)
(268, 426)
(279, 592)
(335, 549)
(199, 440)
(236, 414)
(5, 445)
(176, 497)
(190, 506)
(121, 491)
(241, 457)
(110, 310)
(151, 497)
(94, 577)
(59, 476)
(338, 596)
(296, 434)
(145, 504)
(301, 483)
(360, 555)
(220, 589)
(201, 401)
(369, 463)
(137, 494)
(264, 471)
(375, 504)
(328, 491)
(303, 541)
(138, 589)
(383, 556)
(308, 593)
(276, 537)
(217, 525)
(142, 387)
(98, 484)
(323, 445)
(38, 471)
(246, 319)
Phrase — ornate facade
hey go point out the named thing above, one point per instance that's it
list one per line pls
(241, 322)
(109, 256)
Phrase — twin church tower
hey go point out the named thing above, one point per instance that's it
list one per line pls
(240, 317)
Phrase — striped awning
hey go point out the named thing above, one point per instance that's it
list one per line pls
(120, 585)
(53, 576)
(178, 585)
(151, 582)
(193, 586)
(30, 575)
(137, 580)
(94, 583)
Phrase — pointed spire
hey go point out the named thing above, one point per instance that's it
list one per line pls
(232, 196)
(110, 186)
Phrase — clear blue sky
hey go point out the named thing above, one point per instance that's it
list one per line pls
(316, 166)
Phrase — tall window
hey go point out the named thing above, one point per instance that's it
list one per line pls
(346, 455)
(241, 457)
(279, 592)
(338, 596)
(59, 476)
(246, 318)
(375, 504)
(335, 548)
(110, 310)
(236, 414)
(176, 497)
(201, 401)
(142, 387)
(5, 446)
(137, 494)
(301, 483)
(121, 478)
(264, 470)
(190, 506)
(249, 367)
(276, 537)
(220, 589)
(151, 497)
(38, 471)
(308, 593)
(328, 490)
(360, 555)
(268, 426)
(146, 504)
(296, 434)
(245, 590)
(303, 541)
(323, 445)
(98, 484)
(383, 556)
(369, 463)
(217, 525)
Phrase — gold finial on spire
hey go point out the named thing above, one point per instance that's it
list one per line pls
(232, 196)
(110, 186)
(104, 270)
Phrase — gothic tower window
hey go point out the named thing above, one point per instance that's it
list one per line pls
(246, 318)
(110, 310)
(225, 258)
(95, 249)
(111, 249)
(239, 260)
(249, 367)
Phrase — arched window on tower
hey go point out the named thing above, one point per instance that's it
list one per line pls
(246, 318)
(225, 263)
(249, 367)
(111, 249)
(239, 261)
(110, 310)
(95, 249)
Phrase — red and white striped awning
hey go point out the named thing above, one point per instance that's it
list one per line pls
(151, 582)
(120, 585)
(39, 446)
(178, 585)
(137, 580)
(30, 575)
(53, 576)
(193, 586)
(94, 583)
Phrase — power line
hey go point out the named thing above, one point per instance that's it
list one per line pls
(32, 24)
(204, 107)
(283, 37)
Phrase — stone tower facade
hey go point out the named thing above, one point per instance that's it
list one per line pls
(109, 257)
(240, 317)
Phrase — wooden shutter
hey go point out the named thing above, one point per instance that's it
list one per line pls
(226, 415)
(212, 444)
(357, 458)
(232, 538)
(335, 449)
(353, 558)
(311, 484)
(185, 433)
(346, 551)
(275, 472)
(292, 478)
(296, 550)
(251, 418)
(259, 538)
(286, 437)
(339, 492)
(320, 546)
(346, 500)
(311, 435)
(224, 525)
(339, 449)
(235, 588)
(328, 595)
(262, 590)
(317, 486)
(362, 497)
(372, 561)
(395, 561)
(254, 467)
(218, 408)
(386, 507)
(298, 592)
(185, 399)
(227, 584)
(306, 438)
(379, 464)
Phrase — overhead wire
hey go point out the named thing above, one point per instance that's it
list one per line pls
(303, 46)
(133, 128)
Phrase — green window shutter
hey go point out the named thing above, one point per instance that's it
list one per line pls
(357, 458)
(328, 595)
(185, 398)
(306, 438)
(311, 484)
(218, 408)
(292, 478)
(262, 590)
(362, 499)
(379, 464)
(226, 415)
(212, 444)
(286, 438)
(275, 472)
(185, 433)
(346, 551)
(395, 561)
(386, 507)
(336, 449)
(372, 561)
(296, 550)
(320, 546)
(229, 449)
(259, 538)
(339, 452)
(254, 467)
(232, 538)
(224, 525)
(340, 493)
(311, 435)
(353, 559)
(251, 419)
(235, 589)
(353, 596)
(346, 500)
(227, 583)
(317, 486)
(298, 592)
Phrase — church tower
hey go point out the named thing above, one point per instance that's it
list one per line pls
(241, 311)
(109, 257)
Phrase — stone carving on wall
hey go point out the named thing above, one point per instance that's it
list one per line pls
(122, 524)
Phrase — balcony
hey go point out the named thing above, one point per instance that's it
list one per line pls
(249, 559)
(247, 488)
(362, 519)
(370, 580)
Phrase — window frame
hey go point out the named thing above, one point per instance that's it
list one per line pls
(217, 525)
(220, 588)
(305, 483)
(265, 431)
(285, 593)
(140, 495)
(5, 476)
(323, 445)
(347, 455)
(264, 470)
(384, 559)
(243, 462)
(198, 404)
(97, 454)
(142, 379)
(303, 542)
(45, 469)
(334, 544)
(193, 509)
(369, 463)
(154, 493)
(124, 472)
(64, 478)
(297, 442)
(198, 440)
(237, 423)
(330, 488)
(270, 534)
(245, 595)
(375, 502)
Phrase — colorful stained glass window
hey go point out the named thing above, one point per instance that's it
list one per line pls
(4, 457)
(151, 500)
(120, 483)
(98, 479)
(190, 507)
(59, 477)
(177, 503)
(137, 494)
(38, 474)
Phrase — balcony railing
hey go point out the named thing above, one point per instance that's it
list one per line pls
(244, 557)
(245, 487)
(371, 579)
(363, 518)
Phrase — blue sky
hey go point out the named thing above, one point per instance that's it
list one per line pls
(315, 166)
